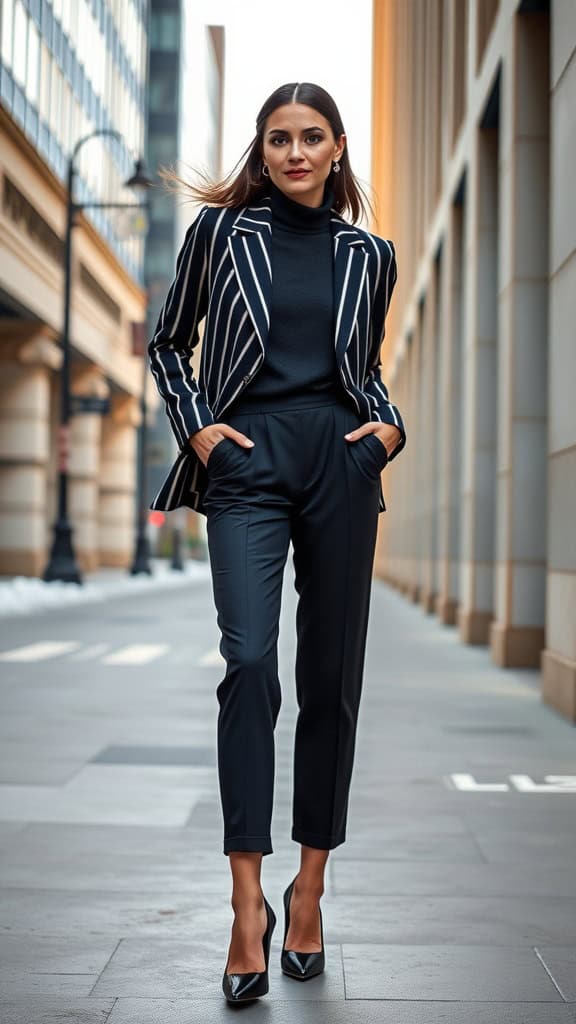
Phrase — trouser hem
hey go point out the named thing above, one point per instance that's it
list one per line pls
(248, 844)
(317, 841)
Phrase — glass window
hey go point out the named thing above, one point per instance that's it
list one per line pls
(82, 32)
(162, 150)
(7, 29)
(164, 31)
(20, 42)
(55, 100)
(33, 81)
(45, 64)
(66, 104)
(164, 93)
(160, 257)
(74, 121)
(66, 5)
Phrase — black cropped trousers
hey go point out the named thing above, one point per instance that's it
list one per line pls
(302, 482)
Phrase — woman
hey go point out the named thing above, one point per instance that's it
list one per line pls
(283, 434)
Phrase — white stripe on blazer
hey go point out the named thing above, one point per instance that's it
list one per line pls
(224, 273)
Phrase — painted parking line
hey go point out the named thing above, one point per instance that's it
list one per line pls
(40, 651)
(135, 654)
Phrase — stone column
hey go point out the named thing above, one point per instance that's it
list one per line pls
(559, 657)
(391, 529)
(450, 421)
(117, 512)
(85, 467)
(29, 356)
(480, 389)
(415, 515)
(517, 634)
(396, 474)
(429, 438)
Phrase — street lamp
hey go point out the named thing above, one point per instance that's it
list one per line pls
(141, 559)
(62, 564)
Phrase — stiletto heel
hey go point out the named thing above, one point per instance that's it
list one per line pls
(301, 966)
(242, 988)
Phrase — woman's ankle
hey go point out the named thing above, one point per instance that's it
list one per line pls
(309, 886)
(247, 898)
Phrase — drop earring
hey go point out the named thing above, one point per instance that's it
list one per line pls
(336, 167)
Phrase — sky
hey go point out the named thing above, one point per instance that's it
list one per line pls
(270, 43)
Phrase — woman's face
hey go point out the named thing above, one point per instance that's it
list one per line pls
(298, 148)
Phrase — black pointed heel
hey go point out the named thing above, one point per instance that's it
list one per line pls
(242, 988)
(300, 965)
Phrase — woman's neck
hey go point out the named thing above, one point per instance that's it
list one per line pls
(294, 216)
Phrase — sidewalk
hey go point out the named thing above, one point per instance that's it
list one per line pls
(449, 902)
(25, 595)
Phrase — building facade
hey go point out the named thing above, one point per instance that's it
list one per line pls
(185, 126)
(68, 68)
(474, 143)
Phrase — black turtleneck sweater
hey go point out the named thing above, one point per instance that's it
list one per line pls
(299, 367)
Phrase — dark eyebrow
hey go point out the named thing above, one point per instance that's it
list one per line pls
(304, 130)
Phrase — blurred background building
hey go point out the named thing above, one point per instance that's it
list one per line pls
(69, 67)
(185, 129)
(153, 71)
(474, 137)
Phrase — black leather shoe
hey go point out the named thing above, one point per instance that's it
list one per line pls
(300, 965)
(242, 988)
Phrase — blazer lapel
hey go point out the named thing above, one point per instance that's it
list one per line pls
(250, 245)
(350, 269)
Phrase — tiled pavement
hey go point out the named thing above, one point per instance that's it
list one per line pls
(444, 905)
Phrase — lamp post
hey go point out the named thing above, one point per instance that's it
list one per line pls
(141, 560)
(62, 564)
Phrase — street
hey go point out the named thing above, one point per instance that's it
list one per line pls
(453, 899)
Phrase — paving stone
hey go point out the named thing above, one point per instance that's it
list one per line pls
(37, 773)
(51, 965)
(142, 754)
(426, 878)
(466, 973)
(165, 969)
(10, 829)
(204, 910)
(54, 1010)
(528, 848)
(494, 920)
(270, 1008)
(445, 892)
(561, 964)
(455, 848)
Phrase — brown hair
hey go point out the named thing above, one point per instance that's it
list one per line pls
(249, 184)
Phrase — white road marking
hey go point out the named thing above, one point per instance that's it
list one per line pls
(87, 653)
(135, 654)
(467, 783)
(212, 657)
(40, 651)
(553, 784)
(522, 783)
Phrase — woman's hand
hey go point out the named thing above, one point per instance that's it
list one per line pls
(386, 432)
(203, 441)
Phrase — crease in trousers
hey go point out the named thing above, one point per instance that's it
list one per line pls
(303, 483)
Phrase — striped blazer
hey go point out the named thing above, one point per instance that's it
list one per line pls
(224, 273)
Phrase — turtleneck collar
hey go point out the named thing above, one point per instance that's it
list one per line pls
(295, 216)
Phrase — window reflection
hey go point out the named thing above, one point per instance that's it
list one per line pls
(55, 112)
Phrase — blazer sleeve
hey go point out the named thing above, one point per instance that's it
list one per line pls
(374, 386)
(176, 336)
